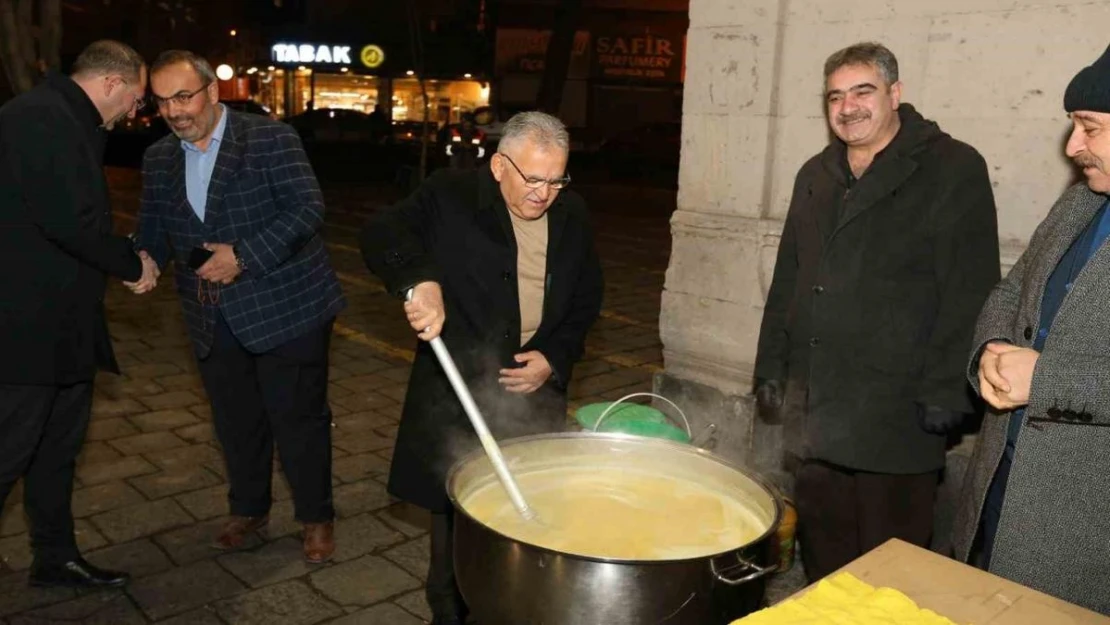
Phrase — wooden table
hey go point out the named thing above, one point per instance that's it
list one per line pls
(964, 594)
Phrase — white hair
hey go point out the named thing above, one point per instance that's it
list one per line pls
(544, 130)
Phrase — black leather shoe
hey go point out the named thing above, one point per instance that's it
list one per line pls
(76, 574)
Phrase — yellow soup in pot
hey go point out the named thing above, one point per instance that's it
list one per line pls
(616, 513)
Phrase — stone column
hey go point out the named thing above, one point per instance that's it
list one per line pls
(724, 237)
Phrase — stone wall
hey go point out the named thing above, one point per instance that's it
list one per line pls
(991, 72)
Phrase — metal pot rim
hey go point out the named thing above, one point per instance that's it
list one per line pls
(774, 493)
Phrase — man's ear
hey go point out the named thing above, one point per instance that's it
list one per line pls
(896, 94)
(497, 166)
(111, 82)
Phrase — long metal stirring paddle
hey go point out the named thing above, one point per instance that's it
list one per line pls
(479, 423)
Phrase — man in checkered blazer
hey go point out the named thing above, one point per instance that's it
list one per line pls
(231, 199)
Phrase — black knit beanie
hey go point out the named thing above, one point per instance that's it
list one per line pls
(1090, 89)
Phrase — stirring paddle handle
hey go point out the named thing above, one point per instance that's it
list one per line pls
(476, 420)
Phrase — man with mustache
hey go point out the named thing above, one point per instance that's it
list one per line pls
(231, 198)
(58, 249)
(1036, 500)
(890, 248)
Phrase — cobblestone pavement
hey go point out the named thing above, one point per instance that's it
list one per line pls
(151, 492)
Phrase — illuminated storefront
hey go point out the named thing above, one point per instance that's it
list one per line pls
(334, 75)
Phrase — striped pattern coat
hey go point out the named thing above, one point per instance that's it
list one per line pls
(1055, 529)
(263, 197)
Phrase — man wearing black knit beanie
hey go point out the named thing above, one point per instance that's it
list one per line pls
(1036, 501)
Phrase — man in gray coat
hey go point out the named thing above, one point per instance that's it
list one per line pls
(1036, 503)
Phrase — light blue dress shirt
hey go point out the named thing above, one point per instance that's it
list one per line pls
(199, 165)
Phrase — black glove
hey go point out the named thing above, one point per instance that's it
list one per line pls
(937, 420)
(768, 398)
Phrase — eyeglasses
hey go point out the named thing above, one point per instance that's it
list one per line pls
(535, 182)
(180, 99)
(139, 103)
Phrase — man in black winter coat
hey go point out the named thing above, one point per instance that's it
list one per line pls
(57, 250)
(889, 250)
(501, 260)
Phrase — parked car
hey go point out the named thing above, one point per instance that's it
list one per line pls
(489, 123)
(247, 106)
(331, 125)
(406, 132)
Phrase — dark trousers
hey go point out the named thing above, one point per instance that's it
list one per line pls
(42, 429)
(992, 514)
(441, 590)
(277, 396)
(843, 514)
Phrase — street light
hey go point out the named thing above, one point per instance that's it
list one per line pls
(224, 72)
(466, 75)
(234, 32)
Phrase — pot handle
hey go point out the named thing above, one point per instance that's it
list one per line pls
(742, 565)
(685, 421)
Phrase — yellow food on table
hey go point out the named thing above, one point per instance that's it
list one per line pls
(607, 512)
(845, 600)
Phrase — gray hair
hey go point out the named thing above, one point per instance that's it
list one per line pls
(107, 57)
(867, 53)
(173, 57)
(543, 129)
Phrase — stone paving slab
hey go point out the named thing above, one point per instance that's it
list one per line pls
(150, 442)
(363, 582)
(16, 596)
(361, 535)
(271, 563)
(163, 420)
(139, 558)
(288, 603)
(193, 543)
(413, 556)
(383, 614)
(144, 519)
(102, 608)
(101, 472)
(104, 498)
(182, 589)
(358, 497)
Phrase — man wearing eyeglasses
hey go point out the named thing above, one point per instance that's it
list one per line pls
(231, 199)
(57, 249)
(501, 261)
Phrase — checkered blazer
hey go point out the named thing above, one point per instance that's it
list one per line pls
(263, 197)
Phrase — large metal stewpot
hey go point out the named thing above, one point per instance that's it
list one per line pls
(509, 582)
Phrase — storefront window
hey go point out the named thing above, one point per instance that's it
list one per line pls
(344, 91)
(447, 99)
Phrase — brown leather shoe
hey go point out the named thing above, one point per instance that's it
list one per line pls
(236, 529)
(319, 542)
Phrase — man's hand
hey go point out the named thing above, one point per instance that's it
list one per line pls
(221, 268)
(1006, 374)
(425, 310)
(149, 279)
(768, 399)
(530, 377)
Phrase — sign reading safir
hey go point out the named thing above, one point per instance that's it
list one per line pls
(643, 56)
